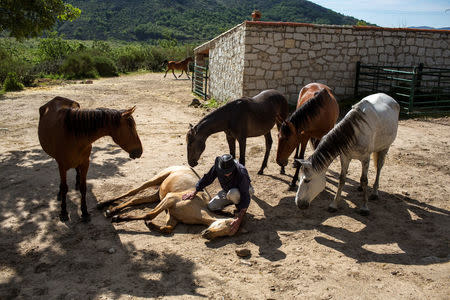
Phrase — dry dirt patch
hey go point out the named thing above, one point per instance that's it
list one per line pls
(400, 251)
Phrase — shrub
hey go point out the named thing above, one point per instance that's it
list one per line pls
(79, 65)
(12, 83)
(105, 66)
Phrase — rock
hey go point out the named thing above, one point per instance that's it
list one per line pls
(195, 103)
(247, 263)
(243, 252)
(111, 250)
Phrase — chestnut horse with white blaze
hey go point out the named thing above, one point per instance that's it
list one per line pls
(67, 132)
(370, 127)
(179, 65)
(316, 114)
(172, 183)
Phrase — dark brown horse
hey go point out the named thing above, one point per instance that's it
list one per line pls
(316, 114)
(239, 119)
(66, 133)
(179, 65)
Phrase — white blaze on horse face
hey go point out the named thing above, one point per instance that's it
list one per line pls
(220, 227)
(311, 183)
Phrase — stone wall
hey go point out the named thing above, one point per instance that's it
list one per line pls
(287, 56)
(255, 56)
(226, 64)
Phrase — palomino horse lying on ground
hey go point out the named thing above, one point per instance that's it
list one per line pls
(239, 119)
(67, 132)
(173, 182)
(179, 65)
(369, 127)
(317, 112)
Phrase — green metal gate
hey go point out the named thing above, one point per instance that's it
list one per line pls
(417, 89)
(200, 81)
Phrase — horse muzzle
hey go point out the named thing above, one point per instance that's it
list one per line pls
(282, 163)
(192, 163)
(136, 153)
(206, 234)
(303, 204)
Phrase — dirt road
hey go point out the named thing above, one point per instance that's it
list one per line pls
(400, 251)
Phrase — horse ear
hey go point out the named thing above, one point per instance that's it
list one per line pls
(298, 162)
(128, 112)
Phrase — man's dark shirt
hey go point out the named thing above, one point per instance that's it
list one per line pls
(238, 179)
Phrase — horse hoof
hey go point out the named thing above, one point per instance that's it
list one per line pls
(64, 217)
(100, 205)
(116, 219)
(108, 213)
(364, 212)
(85, 218)
(373, 197)
(292, 187)
(332, 209)
(260, 172)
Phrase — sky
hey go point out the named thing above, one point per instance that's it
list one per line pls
(394, 13)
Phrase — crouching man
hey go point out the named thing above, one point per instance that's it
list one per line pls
(236, 187)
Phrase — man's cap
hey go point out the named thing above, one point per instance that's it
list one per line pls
(226, 163)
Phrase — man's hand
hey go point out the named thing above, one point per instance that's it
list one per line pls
(189, 196)
(237, 222)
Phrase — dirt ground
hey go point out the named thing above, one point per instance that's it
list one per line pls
(400, 251)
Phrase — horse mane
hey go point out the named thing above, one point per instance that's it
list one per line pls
(307, 112)
(342, 137)
(87, 121)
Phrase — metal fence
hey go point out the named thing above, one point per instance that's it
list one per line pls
(418, 89)
(200, 81)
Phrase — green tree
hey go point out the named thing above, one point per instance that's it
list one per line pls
(25, 18)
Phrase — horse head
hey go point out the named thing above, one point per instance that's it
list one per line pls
(195, 146)
(220, 227)
(287, 141)
(126, 135)
(311, 183)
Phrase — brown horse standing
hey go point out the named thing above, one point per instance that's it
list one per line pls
(316, 114)
(66, 133)
(179, 65)
(239, 119)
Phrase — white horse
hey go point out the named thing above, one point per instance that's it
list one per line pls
(369, 127)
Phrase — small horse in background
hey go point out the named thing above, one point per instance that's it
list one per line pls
(182, 65)
(172, 183)
(239, 119)
(67, 132)
(316, 114)
(370, 127)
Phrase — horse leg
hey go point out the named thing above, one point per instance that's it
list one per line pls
(345, 162)
(63, 188)
(165, 203)
(156, 180)
(171, 222)
(83, 174)
(269, 141)
(293, 184)
(242, 144)
(133, 202)
(231, 144)
(77, 179)
(364, 210)
(187, 73)
(379, 162)
(166, 72)
(182, 70)
(173, 72)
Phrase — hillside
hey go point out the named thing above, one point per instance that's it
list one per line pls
(184, 20)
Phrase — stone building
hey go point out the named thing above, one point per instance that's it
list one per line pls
(254, 56)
